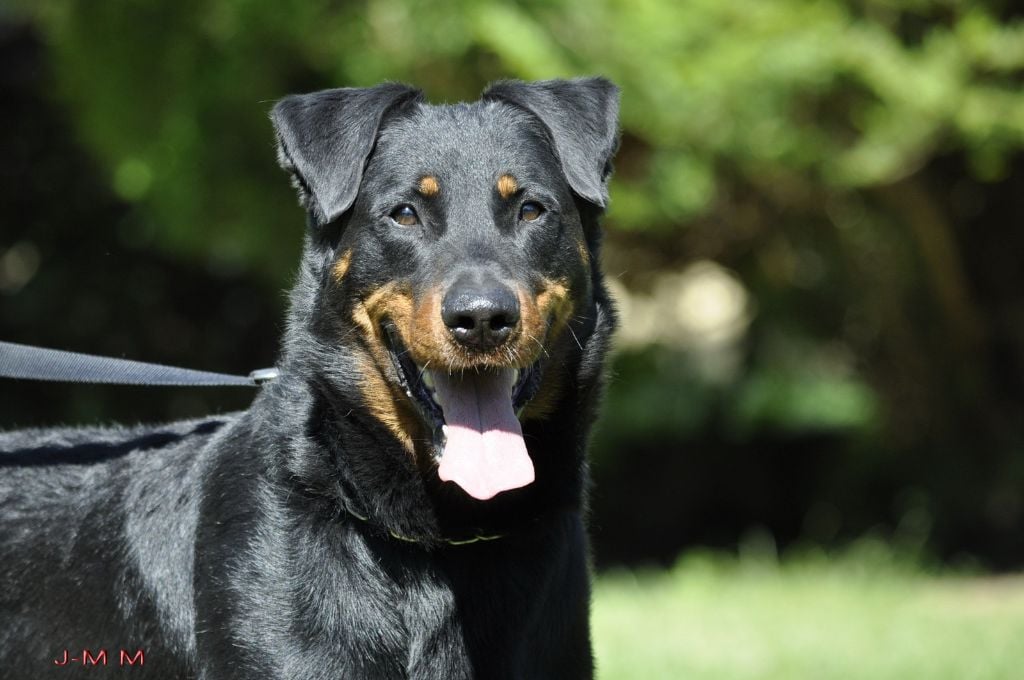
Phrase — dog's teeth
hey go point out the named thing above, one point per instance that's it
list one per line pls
(428, 380)
(515, 375)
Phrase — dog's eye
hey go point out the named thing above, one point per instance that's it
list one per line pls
(530, 211)
(405, 215)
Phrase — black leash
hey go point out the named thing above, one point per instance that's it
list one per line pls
(25, 362)
(36, 363)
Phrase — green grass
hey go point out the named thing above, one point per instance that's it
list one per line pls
(863, 615)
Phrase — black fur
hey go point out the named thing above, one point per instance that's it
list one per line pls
(300, 538)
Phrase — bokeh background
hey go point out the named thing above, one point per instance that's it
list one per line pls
(816, 239)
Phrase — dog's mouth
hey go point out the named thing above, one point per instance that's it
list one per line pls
(472, 414)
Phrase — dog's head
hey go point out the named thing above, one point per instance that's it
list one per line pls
(451, 273)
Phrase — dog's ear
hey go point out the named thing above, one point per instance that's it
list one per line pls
(324, 139)
(582, 116)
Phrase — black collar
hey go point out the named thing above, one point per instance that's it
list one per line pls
(476, 538)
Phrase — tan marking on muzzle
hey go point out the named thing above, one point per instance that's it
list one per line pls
(507, 186)
(422, 331)
(426, 336)
(340, 267)
(419, 327)
(384, 405)
(429, 186)
(383, 397)
(431, 345)
(544, 314)
(391, 301)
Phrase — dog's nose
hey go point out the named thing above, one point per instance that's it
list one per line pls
(480, 314)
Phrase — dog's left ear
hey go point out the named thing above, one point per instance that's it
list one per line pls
(582, 116)
(324, 139)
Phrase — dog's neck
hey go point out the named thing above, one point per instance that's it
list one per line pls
(349, 467)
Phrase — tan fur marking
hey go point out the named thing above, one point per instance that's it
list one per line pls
(427, 335)
(552, 304)
(431, 345)
(429, 186)
(544, 315)
(584, 252)
(383, 404)
(341, 266)
(382, 397)
(507, 186)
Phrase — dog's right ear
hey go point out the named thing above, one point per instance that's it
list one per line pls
(324, 139)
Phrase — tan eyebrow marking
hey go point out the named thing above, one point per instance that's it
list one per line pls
(429, 186)
(341, 266)
(507, 185)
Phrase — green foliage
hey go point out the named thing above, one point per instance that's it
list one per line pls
(868, 613)
(783, 396)
(172, 97)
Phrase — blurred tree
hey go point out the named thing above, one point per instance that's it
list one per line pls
(790, 97)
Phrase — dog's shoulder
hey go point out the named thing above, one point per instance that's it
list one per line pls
(39, 448)
(82, 466)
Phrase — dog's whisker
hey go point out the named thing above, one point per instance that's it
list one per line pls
(539, 344)
(578, 343)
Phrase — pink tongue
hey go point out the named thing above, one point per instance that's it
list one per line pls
(485, 453)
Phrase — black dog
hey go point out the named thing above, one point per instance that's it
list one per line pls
(406, 499)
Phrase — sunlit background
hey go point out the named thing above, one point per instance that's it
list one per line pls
(811, 458)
